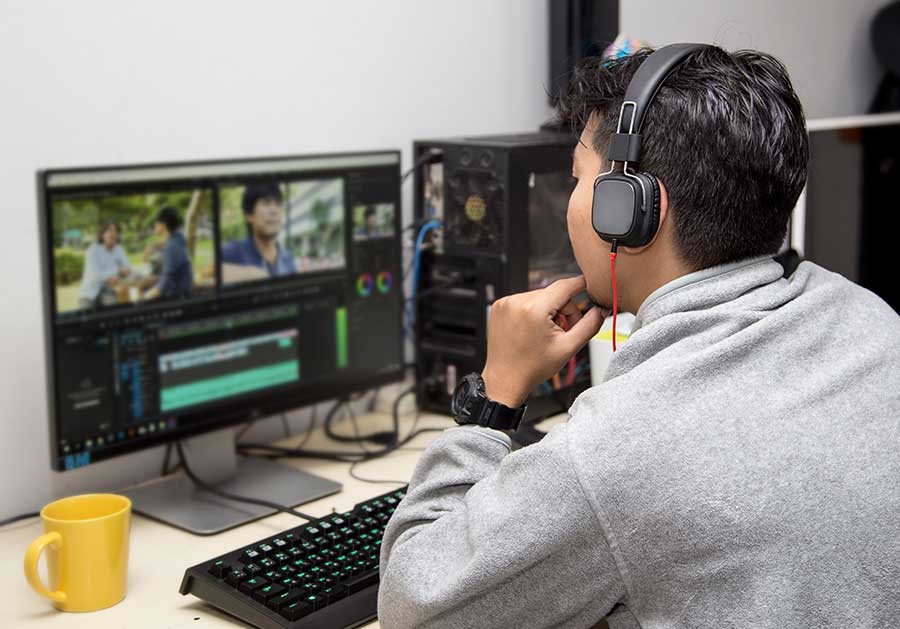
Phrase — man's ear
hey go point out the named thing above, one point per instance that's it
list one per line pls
(663, 217)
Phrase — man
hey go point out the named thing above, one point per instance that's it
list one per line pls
(263, 211)
(105, 265)
(176, 278)
(369, 228)
(738, 466)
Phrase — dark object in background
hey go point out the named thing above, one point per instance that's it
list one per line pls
(886, 37)
(503, 202)
(881, 167)
(578, 29)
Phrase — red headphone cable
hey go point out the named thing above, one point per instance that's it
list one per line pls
(612, 275)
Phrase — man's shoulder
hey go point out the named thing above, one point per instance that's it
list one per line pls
(850, 298)
(235, 251)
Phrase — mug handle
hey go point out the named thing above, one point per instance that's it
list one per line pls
(32, 555)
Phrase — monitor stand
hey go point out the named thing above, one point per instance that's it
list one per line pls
(176, 501)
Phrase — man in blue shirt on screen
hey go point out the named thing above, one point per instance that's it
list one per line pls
(264, 213)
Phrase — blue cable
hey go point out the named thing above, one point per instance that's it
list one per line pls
(420, 239)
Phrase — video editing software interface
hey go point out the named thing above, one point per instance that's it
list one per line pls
(185, 297)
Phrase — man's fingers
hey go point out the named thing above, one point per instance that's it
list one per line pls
(583, 331)
(561, 292)
(568, 315)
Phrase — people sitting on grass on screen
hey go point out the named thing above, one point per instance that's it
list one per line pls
(264, 213)
(176, 273)
(370, 227)
(105, 265)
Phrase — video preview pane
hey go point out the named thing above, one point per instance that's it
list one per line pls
(373, 221)
(272, 229)
(130, 249)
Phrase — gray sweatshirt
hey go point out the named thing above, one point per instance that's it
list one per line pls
(738, 467)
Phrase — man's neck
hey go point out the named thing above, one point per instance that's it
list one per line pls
(267, 247)
(651, 274)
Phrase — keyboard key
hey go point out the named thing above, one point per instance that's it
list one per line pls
(253, 568)
(265, 593)
(362, 581)
(279, 543)
(280, 557)
(219, 569)
(316, 601)
(334, 593)
(235, 577)
(285, 598)
(295, 610)
(252, 584)
(251, 556)
(265, 549)
(268, 562)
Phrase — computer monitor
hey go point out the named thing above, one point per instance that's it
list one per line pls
(845, 219)
(184, 298)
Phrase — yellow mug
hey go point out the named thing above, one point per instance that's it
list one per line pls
(86, 539)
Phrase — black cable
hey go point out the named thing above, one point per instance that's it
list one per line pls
(276, 452)
(376, 481)
(421, 161)
(380, 437)
(224, 494)
(21, 516)
(395, 412)
(243, 429)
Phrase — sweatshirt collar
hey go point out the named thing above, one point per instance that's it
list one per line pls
(674, 296)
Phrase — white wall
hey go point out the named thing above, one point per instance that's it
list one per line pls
(102, 82)
(824, 43)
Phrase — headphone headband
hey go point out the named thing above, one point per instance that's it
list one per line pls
(625, 144)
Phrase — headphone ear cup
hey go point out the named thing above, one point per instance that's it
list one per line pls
(652, 215)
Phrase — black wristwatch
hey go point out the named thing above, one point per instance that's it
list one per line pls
(470, 405)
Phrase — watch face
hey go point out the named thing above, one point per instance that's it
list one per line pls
(458, 402)
(464, 396)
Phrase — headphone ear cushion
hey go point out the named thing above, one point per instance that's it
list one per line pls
(653, 217)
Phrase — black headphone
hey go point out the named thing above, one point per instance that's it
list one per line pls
(626, 204)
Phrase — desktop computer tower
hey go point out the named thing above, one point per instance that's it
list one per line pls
(502, 201)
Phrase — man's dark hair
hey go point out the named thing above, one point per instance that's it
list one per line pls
(256, 192)
(106, 225)
(369, 211)
(169, 217)
(725, 134)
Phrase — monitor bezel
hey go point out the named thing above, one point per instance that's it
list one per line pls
(213, 420)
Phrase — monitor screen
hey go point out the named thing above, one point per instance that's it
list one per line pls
(182, 298)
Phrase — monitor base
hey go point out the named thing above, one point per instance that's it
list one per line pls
(176, 501)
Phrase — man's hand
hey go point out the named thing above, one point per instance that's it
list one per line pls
(531, 336)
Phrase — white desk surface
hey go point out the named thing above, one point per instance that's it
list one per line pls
(159, 554)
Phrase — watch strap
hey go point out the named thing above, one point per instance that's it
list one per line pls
(491, 414)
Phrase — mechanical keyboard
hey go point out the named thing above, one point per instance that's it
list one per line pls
(320, 574)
